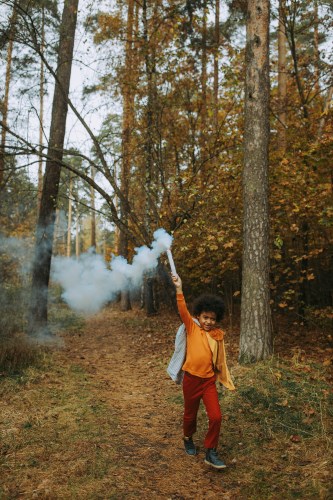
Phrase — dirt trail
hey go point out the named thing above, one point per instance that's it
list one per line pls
(126, 356)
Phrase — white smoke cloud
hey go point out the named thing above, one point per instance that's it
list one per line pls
(87, 282)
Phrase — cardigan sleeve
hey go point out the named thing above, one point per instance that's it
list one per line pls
(184, 313)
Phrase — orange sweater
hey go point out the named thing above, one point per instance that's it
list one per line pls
(199, 356)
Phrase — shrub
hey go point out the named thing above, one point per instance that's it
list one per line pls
(17, 353)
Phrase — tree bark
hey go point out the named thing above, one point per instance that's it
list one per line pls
(282, 80)
(45, 225)
(77, 236)
(93, 214)
(149, 295)
(150, 174)
(6, 96)
(316, 47)
(256, 334)
(127, 127)
(41, 118)
(204, 70)
(69, 225)
(150, 180)
(294, 54)
(216, 65)
(203, 111)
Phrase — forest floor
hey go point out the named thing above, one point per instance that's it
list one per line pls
(98, 418)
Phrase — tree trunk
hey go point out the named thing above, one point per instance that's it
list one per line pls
(316, 47)
(216, 65)
(256, 334)
(77, 237)
(327, 105)
(282, 80)
(93, 213)
(149, 301)
(204, 70)
(128, 119)
(41, 117)
(56, 236)
(6, 96)
(294, 54)
(69, 225)
(45, 225)
(203, 110)
(150, 174)
(59, 238)
(150, 187)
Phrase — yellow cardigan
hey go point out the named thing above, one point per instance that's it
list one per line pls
(220, 362)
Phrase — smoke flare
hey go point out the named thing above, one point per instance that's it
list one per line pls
(87, 282)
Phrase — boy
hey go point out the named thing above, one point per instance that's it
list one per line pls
(205, 363)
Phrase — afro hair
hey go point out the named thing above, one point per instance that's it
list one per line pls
(209, 303)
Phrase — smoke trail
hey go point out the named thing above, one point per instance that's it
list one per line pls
(87, 282)
(19, 250)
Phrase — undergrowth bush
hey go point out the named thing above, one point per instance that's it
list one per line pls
(12, 310)
(17, 353)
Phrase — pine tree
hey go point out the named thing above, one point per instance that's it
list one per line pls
(256, 333)
(46, 219)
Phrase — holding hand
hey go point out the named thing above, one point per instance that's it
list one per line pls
(177, 282)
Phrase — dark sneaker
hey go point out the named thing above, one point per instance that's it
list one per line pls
(213, 459)
(190, 446)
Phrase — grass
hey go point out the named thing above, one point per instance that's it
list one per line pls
(55, 430)
(58, 436)
(293, 401)
(278, 429)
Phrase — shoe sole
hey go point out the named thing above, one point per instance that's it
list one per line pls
(215, 466)
(191, 454)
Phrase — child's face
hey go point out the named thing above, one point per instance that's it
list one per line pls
(207, 320)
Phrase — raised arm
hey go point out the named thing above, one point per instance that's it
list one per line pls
(182, 308)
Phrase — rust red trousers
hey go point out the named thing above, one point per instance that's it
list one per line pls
(195, 389)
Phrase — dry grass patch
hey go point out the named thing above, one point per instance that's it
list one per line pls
(17, 353)
(278, 430)
(54, 434)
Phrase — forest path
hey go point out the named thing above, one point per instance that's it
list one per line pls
(126, 357)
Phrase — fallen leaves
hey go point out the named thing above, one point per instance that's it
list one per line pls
(295, 438)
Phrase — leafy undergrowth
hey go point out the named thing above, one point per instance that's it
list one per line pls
(99, 418)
